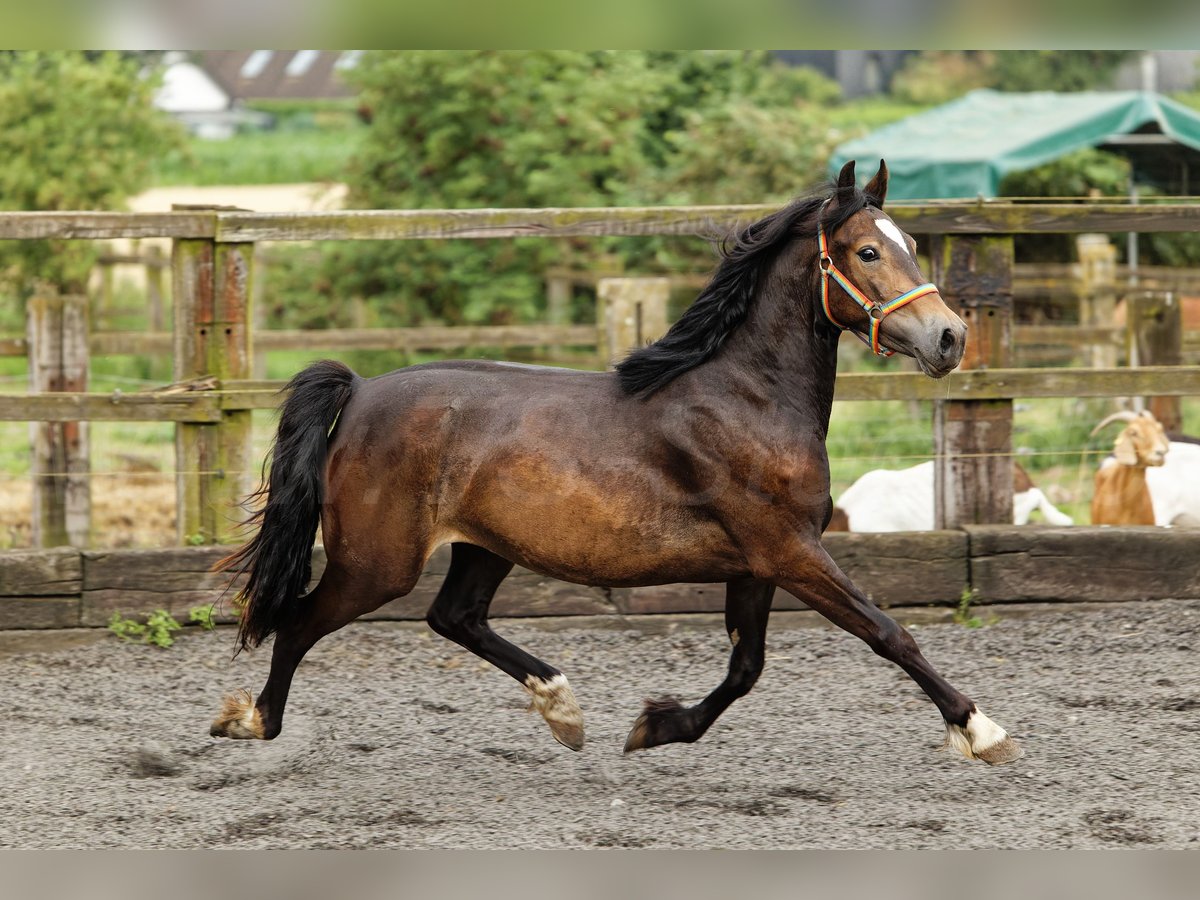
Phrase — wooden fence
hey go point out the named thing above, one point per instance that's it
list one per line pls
(67, 588)
(213, 335)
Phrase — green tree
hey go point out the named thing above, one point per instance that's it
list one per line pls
(488, 128)
(560, 128)
(1053, 70)
(77, 131)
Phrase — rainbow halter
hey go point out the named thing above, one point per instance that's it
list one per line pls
(875, 311)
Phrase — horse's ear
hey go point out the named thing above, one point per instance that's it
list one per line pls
(877, 186)
(845, 182)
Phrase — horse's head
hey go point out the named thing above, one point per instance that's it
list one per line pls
(871, 283)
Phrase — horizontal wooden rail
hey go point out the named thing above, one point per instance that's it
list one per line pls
(104, 225)
(1006, 384)
(1082, 335)
(942, 218)
(978, 384)
(431, 337)
(946, 217)
(199, 406)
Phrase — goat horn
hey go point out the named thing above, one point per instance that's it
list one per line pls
(1123, 415)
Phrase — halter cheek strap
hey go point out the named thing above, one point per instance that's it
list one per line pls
(875, 311)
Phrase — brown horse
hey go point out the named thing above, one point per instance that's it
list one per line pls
(701, 459)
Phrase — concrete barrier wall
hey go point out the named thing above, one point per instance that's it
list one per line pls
(66, 588)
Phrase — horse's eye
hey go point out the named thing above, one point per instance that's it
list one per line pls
(868, 254)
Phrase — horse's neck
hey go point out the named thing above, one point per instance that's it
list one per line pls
(779, 354)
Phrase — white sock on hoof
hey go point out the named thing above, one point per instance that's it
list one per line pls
(555, 700)
(982, 739)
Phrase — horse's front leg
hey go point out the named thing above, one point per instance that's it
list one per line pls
(813, 577)
(747, 605)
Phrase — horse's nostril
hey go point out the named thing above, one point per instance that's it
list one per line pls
(947, 342)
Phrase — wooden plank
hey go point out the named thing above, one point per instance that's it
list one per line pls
(1012, 565)
(103, 225)
(630, 312)
(483, 223)
(206, 406)
(995, 384)
(1068, 335)
(1001, 217)
(136, 582)
(133, 343)
(39, 612)
(964, 217)
(1097, 283)
(48, 465)
(989, 384)
(75, 435)
(973, 479)
(432, 337)
(946, 217)
(114, 407)
(229, 354)
(40, 573)
(11, 345)
(58, 362)
(1155, 325)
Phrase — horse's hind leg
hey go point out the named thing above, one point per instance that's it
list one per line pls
(334, 602)
(460, 613)
(747, 605)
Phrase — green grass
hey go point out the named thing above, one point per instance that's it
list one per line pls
(284, 156)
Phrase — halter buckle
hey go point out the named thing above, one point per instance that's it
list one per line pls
(876, 313)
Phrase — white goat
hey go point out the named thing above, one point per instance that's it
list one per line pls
(1175, 486)
(902, 500)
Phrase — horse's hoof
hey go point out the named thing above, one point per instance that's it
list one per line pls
(555, 700)
(239, 718)
(982, 738)
(650, 730)
(1006, 751)
(637, 735)
(570, 736)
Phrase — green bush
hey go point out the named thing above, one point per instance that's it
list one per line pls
(77, 131)
(559, 128)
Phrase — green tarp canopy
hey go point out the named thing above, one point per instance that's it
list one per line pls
(964, 148)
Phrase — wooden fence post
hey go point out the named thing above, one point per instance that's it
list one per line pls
(1154, 335)
(57, 334)
(973, 482)
(211, 289)
(631, 313)
(1097, 293)
(154, 266)
(558, 299)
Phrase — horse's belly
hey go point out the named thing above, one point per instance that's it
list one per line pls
(593, 531)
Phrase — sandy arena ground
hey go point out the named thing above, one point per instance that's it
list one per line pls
(396, 738)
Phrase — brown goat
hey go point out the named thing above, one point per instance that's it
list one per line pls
(1121, 496)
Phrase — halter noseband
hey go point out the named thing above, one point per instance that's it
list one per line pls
(875, 311)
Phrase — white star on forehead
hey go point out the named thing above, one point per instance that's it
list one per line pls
(888, 227)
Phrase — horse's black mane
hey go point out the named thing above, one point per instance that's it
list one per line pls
(723, 304)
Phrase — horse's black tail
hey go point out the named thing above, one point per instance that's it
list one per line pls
(279, 557)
